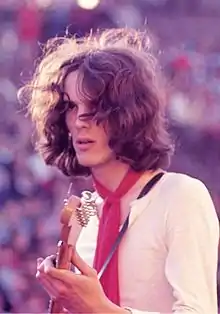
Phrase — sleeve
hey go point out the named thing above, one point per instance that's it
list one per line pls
(192, 236)
(192, 240)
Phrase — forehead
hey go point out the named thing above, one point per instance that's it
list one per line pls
(70, 86)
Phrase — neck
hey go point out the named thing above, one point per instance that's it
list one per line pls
(110, 174)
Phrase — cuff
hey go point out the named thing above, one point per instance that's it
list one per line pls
(134, 311)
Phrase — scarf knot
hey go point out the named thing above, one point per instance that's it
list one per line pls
(112, 199)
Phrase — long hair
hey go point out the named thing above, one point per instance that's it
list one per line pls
(119, 75)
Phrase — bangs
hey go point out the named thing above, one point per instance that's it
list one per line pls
(93, 86)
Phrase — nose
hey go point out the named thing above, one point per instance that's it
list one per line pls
(82, 121)
(78, 118)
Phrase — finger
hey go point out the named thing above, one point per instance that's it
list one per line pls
(61, 275)
(46, 264)
(65, 275)
(55, 288)
(83, 267)
(47, 285)
(47, 268)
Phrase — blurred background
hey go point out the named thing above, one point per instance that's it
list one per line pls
(187, 35)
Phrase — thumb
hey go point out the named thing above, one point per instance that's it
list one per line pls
(82, 266)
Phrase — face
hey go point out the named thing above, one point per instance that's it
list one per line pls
(90, 141)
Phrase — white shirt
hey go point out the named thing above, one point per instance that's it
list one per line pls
(168, 256)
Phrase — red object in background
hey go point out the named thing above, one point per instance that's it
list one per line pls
(181, 63)
(29, 22)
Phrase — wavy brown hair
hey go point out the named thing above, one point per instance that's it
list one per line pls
(120, 77)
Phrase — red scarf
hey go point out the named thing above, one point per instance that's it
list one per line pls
(108, 231)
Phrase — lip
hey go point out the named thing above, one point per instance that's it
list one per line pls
(83, 146)
(83, 139)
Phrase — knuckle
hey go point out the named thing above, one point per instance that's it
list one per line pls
(61, 292)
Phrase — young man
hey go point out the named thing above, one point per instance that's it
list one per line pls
(98, 105)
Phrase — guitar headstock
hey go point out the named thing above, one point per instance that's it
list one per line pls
(76, 214)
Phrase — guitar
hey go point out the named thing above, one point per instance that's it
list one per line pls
(75, 215)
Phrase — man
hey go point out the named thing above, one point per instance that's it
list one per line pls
(98, 105)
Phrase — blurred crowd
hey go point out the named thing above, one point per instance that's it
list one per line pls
(31, 194)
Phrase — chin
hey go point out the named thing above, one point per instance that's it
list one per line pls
(92, 162)
(94, 159)
(88, 163)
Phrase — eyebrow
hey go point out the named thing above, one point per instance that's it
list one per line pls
(66, 98)
(70, 101)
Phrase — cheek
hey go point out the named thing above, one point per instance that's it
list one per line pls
(102, 136)
(105, 145)
(103, 131)
(70, 120)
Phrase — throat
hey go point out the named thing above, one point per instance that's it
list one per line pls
(110, 175)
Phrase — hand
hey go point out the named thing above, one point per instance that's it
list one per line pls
(78, 293)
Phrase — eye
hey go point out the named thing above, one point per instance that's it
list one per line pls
(88, 115)
(69, 105)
